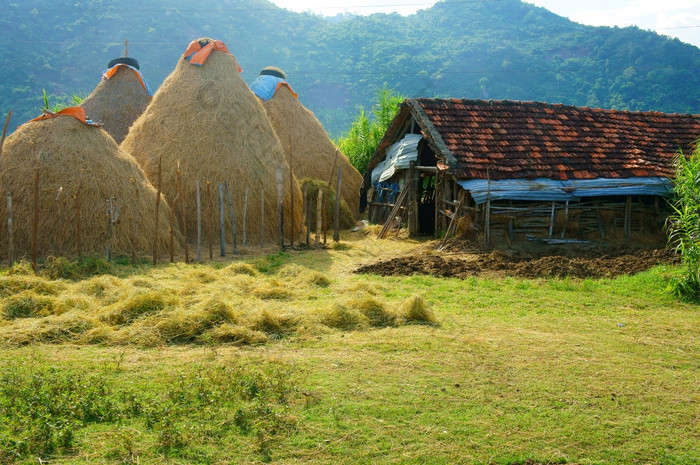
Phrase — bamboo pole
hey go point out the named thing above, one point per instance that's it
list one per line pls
(4, 129)
(280, 208)
(222, 221)
(35, 225)
(10, 229)
(155, 235)
(199, 225)
(210, 222)
(262, 218)
(245, 215)
(180, 193)
(304, 208)
(233, 218)
(59, 219)
(336, 213)
(319, 214)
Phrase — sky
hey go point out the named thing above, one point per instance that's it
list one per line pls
(675, 18)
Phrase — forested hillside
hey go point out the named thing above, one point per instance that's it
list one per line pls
(501, 49)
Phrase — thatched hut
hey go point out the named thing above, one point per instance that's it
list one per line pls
(307, 146)
(75, 157)
(119, 98)
(205, 118)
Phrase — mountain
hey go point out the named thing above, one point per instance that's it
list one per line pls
(500, 49)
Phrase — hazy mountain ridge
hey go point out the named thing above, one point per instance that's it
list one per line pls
(501, 49)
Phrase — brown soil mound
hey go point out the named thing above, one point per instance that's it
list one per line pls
(524, 267)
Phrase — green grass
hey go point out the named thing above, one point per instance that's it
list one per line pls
(506, 371)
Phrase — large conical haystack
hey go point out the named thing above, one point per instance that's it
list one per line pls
(206, 119)
(306, 143)
(118, 100)
(69, 154)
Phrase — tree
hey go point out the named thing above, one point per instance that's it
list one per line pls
(363, 137)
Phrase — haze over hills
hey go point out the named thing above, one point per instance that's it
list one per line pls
(500, 49)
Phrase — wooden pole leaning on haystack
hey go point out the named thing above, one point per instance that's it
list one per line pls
(35, 226)
(280, 208)
(171, 220)
(245, 215)
(78, 225)
(180, 193)
(233, 218)
(135, 230)
(319, 215)
(155, 233)
(199, 226)
(336, 215)
(325, 200)
(210, 222)
(262, 218)
(222, 221)
(304, 208)
(10, 229)
(308, 222)
(291, 192)
(59, 220)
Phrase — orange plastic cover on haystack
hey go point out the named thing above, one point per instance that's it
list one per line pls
(111, 72)
(197, 54)
(76, 112)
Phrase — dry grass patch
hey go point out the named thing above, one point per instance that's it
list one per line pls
(341, 317)
(417, 310)
(236, 334)
(375, 311)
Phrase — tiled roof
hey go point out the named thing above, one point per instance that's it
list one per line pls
(527, 140)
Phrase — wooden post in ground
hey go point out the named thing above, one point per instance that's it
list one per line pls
(308, 221)
(78, 225)
(336, 213)
(438, 195)
(10, 229)
(199, 225)
(222, 221)
(135, 235)
(262, 218)
(304, 207)
(551, 221)
(210, 222)
(171, 220)
(158, 188)
(35, 228)
(181, 194)
(59, 220)
(327, 196)
(233, 218)
(566, 219)
(292, 231)
(110, 223)
(412, 200)
(628, 217)
(245, 215)
(319, 214)
(280, 208)
(488, 207)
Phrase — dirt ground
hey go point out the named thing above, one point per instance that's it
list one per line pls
(459, 261)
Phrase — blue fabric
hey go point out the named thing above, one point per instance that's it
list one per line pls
(386, 196)
(560, 191)
(265, 86)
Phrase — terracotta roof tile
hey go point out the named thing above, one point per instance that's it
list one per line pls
(529, 140)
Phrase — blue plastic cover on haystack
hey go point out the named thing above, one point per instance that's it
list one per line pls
(265, 86)
(399, 155)
(561, 191)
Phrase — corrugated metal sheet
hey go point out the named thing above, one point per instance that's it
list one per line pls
(559, 191)
(398, 156)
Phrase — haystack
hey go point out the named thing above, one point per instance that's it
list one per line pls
(119, 98)
(306, 144)
(70, 154)
(205, 118)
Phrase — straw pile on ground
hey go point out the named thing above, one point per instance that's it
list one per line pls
(117, 102)
(69, 154)
(307, 145)
(207, 120)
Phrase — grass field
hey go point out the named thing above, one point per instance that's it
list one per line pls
(291, 358)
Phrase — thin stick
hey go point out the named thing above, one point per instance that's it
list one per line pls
(308, 221)
(59, 215)
(110, 207)
(222, 222)
(262, 218)
(325, 200)
(291, 191)
(155, 235)
(4, 129)
(199, 226)
(233, 218)
(280, 208)
(245, 214)
(126, 47)
(210, 222)
(319, 213)
(183, 213)
(304, 208)
(336, 216)
(35, 229)
(78, 226)
(135, 234)
(10, 229)
(171, 230)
